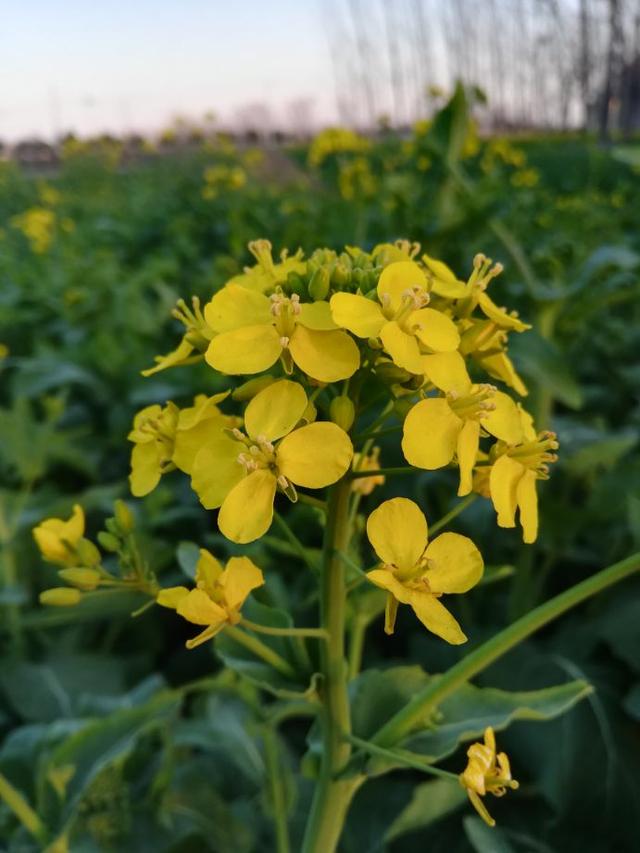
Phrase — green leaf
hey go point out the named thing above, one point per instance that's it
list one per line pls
(485, 839)
(430, 802)
(376, 695)
(543, 363)
(188, 554)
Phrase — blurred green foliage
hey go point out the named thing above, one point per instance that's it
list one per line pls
(170, 753)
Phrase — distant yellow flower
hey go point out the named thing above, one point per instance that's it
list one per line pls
(57, 539)
(400, 318)
(4, 351)
(38, 226)
(512, 480)
(486, 773)
(218, 596)
(254, 331)
(417, 572)
(336, 140)
(241, 472)
(370, 462)
(438, 428)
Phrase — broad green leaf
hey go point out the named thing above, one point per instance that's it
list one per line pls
(430, 802)
(542, 362)
(485, 839)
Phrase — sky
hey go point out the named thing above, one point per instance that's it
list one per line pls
(92, 66)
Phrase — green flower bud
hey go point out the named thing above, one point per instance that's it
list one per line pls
(60, 596)
(319, 284)
(391, 374)
(108, 541)
(124, 516)
(295, 284)
(85, 579)
(248, 390)
(342, 412)
(341, 275)
(88, 553)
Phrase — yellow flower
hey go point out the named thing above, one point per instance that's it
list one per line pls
(472, 293)
(266, 274)
(168, 438)
(241, 472)
(370, 462)
(512, 480)
(486, 342)
(218, 596)
(254, 331)
(57, 539)
(194, 341)
(438, 428)
(486, 773)
(37, 224)
(417, 572)
(406, 327)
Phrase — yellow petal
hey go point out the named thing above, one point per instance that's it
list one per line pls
(177, 356)
(275, 410)
(238, 579)
(499, 315)
(500, 366)
(384, 579)
(325, 356)
(436, 618)
(216, 470)
(316, 315)
(208, 571)
(455, 564)
(172, 596)
(188, 442)
(145, 468)
(435, 330)
(442, 280)
(527, 498)
(480, 807)
(397, 530)
(52, 534)
(447, 371)
(208, 634)
(430, 434)
(467, 450)
(526, 421)
(203, 408)
(359, 315)
(315, 456)
(250, 349)
(398, 277)
(247, 511)
(140, 436)
(504, 421)
(402, 347)
(235, 306)
(503, 482)
(198, 608)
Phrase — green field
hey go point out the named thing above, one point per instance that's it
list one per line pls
(117, 736)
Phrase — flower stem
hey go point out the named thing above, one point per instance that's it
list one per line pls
(458, 508)
(404, 469)
(268, 655)
(278, 795)
(332, 796)
(21, 808)
(441, 687)
(403, 757)
(320, 633)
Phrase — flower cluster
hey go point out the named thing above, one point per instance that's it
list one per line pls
(312, 340)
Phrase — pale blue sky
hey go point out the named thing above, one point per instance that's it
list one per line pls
(90, 66)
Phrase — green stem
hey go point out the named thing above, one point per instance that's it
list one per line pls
(10, 578)
(295, 543)
(458, 508)
(439, 688)
(320, 633)
(404, 469)
(21, 808)
(278, 796)
(268, 655)
(311, 501)
(356, 644)
(332, 796)
(400, 757)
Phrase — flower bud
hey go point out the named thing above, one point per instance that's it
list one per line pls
(124, 516)
(61, 596)
(248, 390)
(342, 412)
(87, 553)
(85, 579)
(319, 284)
(108, 541)
(341, 275)
(391, 374)
(295, 284)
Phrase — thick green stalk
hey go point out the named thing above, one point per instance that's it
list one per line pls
(439, 688)
(333, 796)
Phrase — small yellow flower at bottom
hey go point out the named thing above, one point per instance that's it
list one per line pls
(486, 773)
(57, 539)
(417, 573)
(218, 596)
